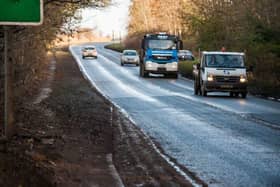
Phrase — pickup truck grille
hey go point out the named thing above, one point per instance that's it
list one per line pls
(227, 79)
(161, 57)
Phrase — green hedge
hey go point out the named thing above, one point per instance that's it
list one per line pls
(186, 68)
(115, 46)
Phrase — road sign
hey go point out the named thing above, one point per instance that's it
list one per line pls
(21, 12)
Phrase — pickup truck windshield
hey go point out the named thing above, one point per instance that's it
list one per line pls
(162, 44)
(224, 61)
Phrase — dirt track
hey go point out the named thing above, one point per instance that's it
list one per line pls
(68, 138)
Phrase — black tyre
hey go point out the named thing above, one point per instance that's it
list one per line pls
(203, 91)
(195, 85)
(141, 69)
(244, 95)
(175, 76)
(233, 94)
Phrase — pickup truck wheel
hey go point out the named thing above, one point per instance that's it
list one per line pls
(195, 85)
(244, 94)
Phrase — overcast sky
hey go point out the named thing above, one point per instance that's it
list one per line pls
(107, 20)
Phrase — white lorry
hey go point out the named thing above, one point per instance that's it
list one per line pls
(222, 72)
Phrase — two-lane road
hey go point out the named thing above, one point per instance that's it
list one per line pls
(225, 141)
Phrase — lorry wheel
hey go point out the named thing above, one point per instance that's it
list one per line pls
(175, 76)
(233, 94)
(244, 94)
(142, 71)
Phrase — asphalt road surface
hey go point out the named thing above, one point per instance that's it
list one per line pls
(225, 141)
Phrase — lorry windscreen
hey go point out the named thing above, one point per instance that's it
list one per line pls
(224, 61)
(161, 44)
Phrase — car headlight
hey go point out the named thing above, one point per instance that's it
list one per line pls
(243, 79)
(210, 77)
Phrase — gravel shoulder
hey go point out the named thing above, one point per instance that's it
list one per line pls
(72, 137)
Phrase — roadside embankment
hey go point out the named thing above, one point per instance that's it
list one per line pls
(73, 136)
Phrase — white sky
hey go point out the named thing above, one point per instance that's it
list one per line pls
(107, 20)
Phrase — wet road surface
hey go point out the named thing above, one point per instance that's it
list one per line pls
(225, 141)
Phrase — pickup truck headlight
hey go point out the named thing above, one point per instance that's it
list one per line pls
(210, 77)
(243, 79)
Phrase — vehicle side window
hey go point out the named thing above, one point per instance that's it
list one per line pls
(202, 64)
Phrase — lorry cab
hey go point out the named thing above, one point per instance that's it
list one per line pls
(159, 54)
(222, 72)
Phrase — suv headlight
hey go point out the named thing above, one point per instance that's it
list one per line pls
(243, 79)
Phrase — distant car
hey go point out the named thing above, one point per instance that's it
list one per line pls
(130, 57)
(185, 55)
(89, 51)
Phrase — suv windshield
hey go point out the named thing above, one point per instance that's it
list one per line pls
(162, 44)
(224, 61)
(130, 53)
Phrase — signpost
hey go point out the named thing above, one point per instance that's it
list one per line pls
(21, 12)
(16, 12)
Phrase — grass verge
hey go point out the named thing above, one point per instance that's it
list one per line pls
(186, 68)
(115, 46)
